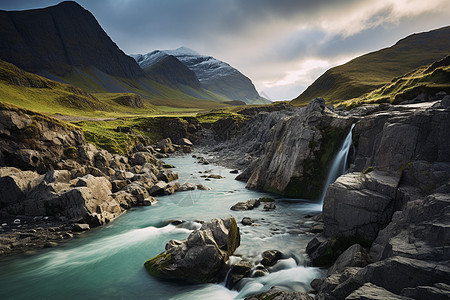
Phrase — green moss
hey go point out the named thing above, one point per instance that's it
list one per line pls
(156, 265)
(368, 170)
(234, 237)
(71, 152)
(310, 186)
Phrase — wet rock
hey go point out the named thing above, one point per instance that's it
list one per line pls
(270, 257)
(269, 206)
(238, 271)
(203, 187)
(200, 257)
(247, 221)
(214, 176)
(234, 171)
(187, 186)
(248, 205)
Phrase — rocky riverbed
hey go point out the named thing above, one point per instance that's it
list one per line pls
(386, 217)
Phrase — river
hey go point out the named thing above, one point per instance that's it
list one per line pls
(107, 262)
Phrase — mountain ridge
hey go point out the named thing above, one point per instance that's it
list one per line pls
(372, 70)
(214, 75)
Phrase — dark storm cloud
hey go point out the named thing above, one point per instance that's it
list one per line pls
(276, 43)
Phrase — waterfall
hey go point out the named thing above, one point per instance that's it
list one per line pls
(339, 165)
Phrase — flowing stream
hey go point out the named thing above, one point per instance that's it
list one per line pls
(107, 262)
(339, 165)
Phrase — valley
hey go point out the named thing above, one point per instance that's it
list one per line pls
(167, 175)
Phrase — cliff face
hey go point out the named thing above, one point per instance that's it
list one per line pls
(389, 215)
(56, 39)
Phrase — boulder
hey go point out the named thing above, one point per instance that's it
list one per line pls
(200, 257)
(248, 205)
(158, 188)
(166, 146)
(359, 205)
(370, 291)
(187, 186)
(276, 293)
(270, 257)
(247, 221)
(354, 256)
(185, 142)
(203, 187)
(439, 291)
(16, 184)
(167, 175)
(141, 158)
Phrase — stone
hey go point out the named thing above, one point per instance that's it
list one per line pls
(359, 205)
(200, 257)
(186, 142)
(158, 188)
(276, 293)
(234, 171)
(370, 291)
(166, 146)
(269, 206)
(187, 186)
(80, 227)
(439, 291)
(16, 184)
(141, 158)
(271, 257)
(354, 256)
(215, 176)
(248, 205)
(167, 175)
(247, 221)
(203, 187)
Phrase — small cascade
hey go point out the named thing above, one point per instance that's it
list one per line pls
(339, 165)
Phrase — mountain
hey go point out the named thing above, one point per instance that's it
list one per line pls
(214, 75)
(66, 43)
(57, 39)
(34, 92)
(425, 83)
(167, 69)
(371, 71)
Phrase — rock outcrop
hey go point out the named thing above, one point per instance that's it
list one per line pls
(200, 257)
(51, 178)
(395, 203)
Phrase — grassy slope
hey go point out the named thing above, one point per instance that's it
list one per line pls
(157, 93)
(373, 70)
(428, 79)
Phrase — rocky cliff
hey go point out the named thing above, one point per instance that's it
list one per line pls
(56, 39)
(386, 221)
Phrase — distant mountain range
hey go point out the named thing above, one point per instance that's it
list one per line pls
(212, 74)
(66, 43)
(373, 70)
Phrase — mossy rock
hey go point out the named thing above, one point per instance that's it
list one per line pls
(156, 265)
(71, 152)
(168, 166)
(234, 237)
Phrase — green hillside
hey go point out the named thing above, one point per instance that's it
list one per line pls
(429, 79)
(371, 71)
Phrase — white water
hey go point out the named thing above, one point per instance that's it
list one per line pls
(107, 262)
(339, 165)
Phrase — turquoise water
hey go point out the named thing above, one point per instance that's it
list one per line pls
(107, 262)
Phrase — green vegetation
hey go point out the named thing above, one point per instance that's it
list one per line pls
(372, 71)
(310, 186)
(156, 265)
(428, 79)
(368, 170)
(266, 199)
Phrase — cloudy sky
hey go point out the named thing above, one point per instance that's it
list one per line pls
(282, 45)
